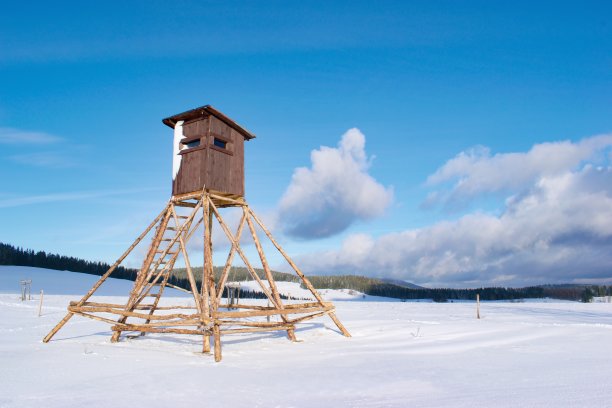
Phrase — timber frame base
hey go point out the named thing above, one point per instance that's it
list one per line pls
(209, 317)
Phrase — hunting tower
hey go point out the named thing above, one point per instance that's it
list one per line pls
(207, 176)
(208, 152)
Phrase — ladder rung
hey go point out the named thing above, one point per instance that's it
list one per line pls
(166, 239)
(171, 229)
(183, 216)
(169, 252)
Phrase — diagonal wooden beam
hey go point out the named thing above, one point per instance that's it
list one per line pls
(242, 255)
(299, 273)
(167, 268)
(266, 268)
(230, 259)
(183, 246)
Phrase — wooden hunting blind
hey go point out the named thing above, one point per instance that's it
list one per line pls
(208, 152)
(207, 176)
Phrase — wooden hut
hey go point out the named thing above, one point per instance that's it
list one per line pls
(208, 152)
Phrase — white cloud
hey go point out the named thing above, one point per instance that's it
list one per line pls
(334, 192)
(555, 227)
(18, 139)
(44, 159)
(476, 171)
(19, 201)
(23, 137)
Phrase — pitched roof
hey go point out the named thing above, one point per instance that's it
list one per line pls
(203, 111)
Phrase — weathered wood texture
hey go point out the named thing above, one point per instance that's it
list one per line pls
(190, 175)
(208, 165)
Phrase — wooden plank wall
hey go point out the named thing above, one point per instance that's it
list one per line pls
(209, 166)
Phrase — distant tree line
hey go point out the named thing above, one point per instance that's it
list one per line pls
(377, 287)
(592, 291)
(11, 255)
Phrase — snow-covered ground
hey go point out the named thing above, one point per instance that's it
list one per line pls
(401, 355)
(294, 291)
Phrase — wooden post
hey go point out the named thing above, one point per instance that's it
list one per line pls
(210, 282)
(478, 306)
(205, 290)
(217, 336)
(40, 304)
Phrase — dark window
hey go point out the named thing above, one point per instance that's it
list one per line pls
(220, 143)
(193, 143)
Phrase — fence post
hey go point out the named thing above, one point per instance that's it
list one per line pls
(40, 304)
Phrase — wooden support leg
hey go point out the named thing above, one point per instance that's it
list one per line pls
(291, 335)
(57, 327)
(115, 336)
(339, 325)
(299, 273)
(217, 336)
(206, 344)
(205, 289)
(268, 272)
(244, 258)
(228, 262)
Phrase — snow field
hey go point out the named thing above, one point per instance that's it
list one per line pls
(401, 354)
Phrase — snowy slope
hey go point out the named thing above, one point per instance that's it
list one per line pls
(73, 283)
(54, 282)
(401, 354)
(293, 290)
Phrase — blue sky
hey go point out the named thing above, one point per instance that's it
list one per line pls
(438, 91)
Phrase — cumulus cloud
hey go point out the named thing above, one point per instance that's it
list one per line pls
(476, 171)
(555, 225)
(334, 192)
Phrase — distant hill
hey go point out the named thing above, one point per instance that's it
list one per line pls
(402, 283)
(10, 255)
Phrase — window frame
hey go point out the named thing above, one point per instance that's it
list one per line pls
(228, 144)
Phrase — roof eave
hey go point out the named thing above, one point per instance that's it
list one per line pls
(201, 111)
